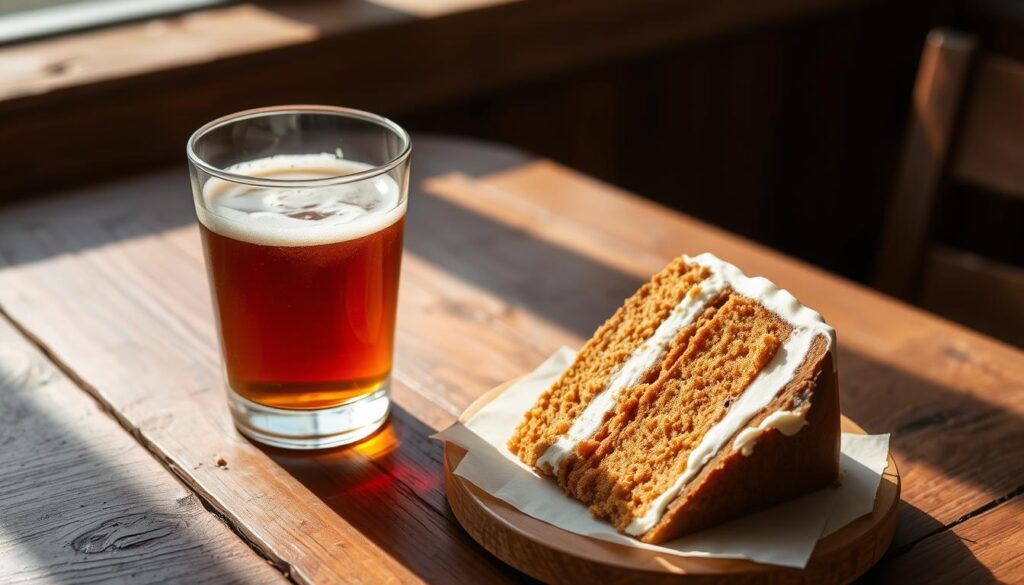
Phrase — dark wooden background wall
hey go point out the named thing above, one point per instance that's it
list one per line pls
(788, 135)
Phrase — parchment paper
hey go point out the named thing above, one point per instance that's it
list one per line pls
(784, 535)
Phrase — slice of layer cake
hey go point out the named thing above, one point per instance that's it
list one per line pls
(706, 396)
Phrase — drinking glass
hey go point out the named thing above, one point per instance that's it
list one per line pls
(301, 211)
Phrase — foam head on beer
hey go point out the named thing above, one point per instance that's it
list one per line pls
(303, 215)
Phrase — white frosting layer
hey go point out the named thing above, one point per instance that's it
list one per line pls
(632, 371)
(807, 325)
(775, 299)
(300, 216)
(788, 422)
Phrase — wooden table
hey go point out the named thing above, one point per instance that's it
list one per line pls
(118, 459)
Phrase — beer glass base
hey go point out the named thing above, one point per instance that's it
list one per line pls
(310, 429)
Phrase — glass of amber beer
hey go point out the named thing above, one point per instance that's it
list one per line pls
(301, 210)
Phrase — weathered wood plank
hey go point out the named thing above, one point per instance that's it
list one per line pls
(984, 549)
(82, 58)
(82, 502)
(946, 393)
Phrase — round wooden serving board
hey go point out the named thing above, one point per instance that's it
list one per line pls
(557, 556)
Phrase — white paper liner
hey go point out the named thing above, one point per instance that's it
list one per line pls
(784, 535)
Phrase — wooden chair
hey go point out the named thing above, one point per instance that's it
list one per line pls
(966, 126)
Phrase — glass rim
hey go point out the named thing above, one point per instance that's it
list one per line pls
(338, 111)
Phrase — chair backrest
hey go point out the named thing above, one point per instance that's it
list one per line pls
(966, 124)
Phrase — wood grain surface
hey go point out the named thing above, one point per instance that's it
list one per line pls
(557, 556)
(82, 502)
(499, 271)
(993, 537)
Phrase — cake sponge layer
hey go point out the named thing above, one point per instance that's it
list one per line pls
(657, 425)
(640, 451)
(607, 350)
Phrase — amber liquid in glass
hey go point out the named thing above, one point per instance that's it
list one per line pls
(305, 326)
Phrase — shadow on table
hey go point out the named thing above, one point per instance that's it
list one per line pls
(965, 441)
(74, 506)
(390, 488)
(554, 283)
(94, 216)
(143, 205)
(939, 558)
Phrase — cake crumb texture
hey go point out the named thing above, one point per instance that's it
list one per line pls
(609, 348)
(643, 446)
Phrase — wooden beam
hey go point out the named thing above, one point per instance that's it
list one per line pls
(114, 102)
